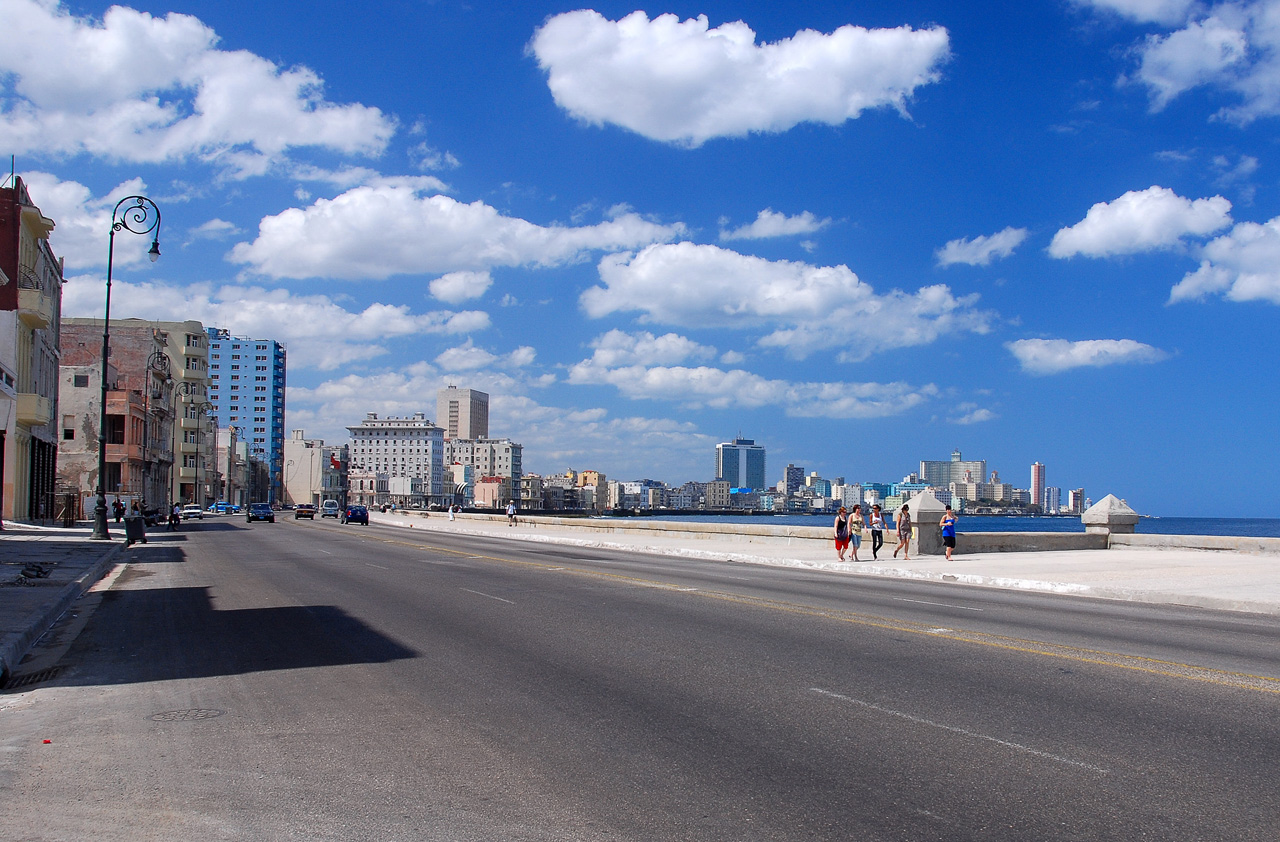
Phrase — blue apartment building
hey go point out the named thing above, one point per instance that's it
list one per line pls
(246, 388)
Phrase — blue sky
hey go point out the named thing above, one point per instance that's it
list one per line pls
(863, 234)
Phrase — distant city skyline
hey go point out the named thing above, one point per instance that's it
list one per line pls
(1025, 231)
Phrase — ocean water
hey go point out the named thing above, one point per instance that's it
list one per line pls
(1239, 527)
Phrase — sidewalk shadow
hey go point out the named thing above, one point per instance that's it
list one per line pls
(175, 633)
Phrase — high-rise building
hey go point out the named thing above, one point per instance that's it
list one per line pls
(246, 388)
(1076, 501)
(1037, 485)
(741, 464)
(1052, 501)
(401, 448)
(793, 476)
(463, 413)
(942, 474)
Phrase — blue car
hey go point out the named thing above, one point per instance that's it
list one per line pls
(356, 514)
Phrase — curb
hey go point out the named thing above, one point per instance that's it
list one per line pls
(14, 647)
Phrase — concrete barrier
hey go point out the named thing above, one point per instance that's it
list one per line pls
(967, 543)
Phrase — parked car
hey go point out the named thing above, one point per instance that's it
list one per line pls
(191, 510)
(260, 511)
(329, 508)
(307, 510)
(356, 514)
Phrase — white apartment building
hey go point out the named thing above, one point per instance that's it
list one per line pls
(464, 413)
(401, 447)
(487, 457)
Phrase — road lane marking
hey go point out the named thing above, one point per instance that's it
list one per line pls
(1137, 663)
(488, 596)
(939, 604)
(919, 720)
(379, 566)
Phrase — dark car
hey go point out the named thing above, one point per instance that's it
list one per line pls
(356, 514)
(260, 511)
(306, 510)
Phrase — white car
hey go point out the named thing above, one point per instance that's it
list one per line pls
(192, 511)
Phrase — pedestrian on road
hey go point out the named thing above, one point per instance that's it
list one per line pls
(903, 522)
(511, 513)
(175, 517)
(877, 529)
(948, 524)
(841, 527)
(855, 530)
(117, 508)
(453, 507)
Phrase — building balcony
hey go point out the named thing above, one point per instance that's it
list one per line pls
(187, 473)
(188, 423)
(124, 453)
(34, 410)
(192, 374)
(188, 447)
(35, 308)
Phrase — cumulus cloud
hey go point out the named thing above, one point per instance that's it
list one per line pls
(707, 386)
(457, 287)
(467, 357)
(1242, 265)
(982, 249)
(1233, 47)
(284, 316)
(376, 231)
(618, 347)
(72, 85)
(1140, 221)
(214, 229)
(972, 414)
(83, 221)
(686, 82)
(1052, 356)
(805, 308)
(769, 223)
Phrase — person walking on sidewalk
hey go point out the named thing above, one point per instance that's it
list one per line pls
(855, 530)
(841, 527)
(511, 513)
(117, 508)
(903, 522)
(948, 524)
(877, 529)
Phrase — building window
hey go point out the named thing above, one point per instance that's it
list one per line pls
(82, 380)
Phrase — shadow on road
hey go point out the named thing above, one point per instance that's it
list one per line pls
(175, 633)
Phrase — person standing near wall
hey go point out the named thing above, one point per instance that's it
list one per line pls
(877, 529)
(903, 522)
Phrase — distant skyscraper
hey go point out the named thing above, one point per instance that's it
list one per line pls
(1037, 484)
(464, 413)
(740, 463)
(793, 476)
(246, 388)
(1052, 500)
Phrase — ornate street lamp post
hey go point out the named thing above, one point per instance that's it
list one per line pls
(139, 216)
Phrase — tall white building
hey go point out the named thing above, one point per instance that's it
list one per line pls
(741, 463)
(487, 457)
(942, 474)
(401, 447)
(464, 413)
(1037, 484)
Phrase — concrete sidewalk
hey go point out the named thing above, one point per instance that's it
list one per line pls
(1231, 581)
(42, 571)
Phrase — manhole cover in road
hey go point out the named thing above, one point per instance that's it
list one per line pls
(187, 715)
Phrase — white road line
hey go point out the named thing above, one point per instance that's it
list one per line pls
(962, 731)
(326, 552)
(379, 566)
(939, 604)
(488, 596)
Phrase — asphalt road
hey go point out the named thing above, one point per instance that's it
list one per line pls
(319, 681)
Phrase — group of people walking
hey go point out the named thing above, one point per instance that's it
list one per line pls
(849, 526)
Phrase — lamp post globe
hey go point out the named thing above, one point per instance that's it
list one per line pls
(137, 215)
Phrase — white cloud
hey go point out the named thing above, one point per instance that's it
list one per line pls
(1242, 265)
(1052, 356)
(706, 386)
(980, 250)
(1139, 221)
(806, 308)
(457, 287)
(467, 357)
(83, 222)
(214, 229)
(769, 223)
(1190, 57)
(972, 414)
(138, 88)
(374, 232)
(617, 348)
(279, 314)
(685, 82)
(1146, 11)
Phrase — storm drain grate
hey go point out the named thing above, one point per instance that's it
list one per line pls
(27, 679)
(187, 715)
